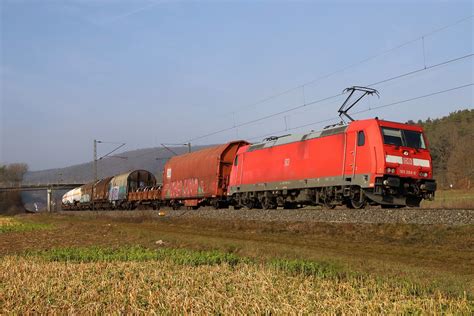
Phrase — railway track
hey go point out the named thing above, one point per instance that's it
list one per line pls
(439, 216)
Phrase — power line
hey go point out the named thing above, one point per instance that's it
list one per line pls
(263, 118)
(421, 69)
(368, 110)
(384, 52)
(327, 98)
(416, 98)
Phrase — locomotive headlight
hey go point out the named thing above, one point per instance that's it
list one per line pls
(390, 170)
(423, 174)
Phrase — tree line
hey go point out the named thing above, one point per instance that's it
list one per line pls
(451, 143)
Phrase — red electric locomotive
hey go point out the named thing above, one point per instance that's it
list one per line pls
(366, 161)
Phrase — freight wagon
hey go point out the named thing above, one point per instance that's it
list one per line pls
(146, 197)
(113, 192)
(199, 178)
(121, 185)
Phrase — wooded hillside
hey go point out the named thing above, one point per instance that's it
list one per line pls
(451, 142)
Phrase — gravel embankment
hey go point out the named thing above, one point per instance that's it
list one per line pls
(372, 215)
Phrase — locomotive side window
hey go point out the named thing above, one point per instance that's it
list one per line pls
(236, 161)
(405, 138)
(360, 138)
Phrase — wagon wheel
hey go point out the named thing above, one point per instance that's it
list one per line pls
(175, 206)
(216, 204)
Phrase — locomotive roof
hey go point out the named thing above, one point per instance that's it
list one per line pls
(332, 130)
(286, 139)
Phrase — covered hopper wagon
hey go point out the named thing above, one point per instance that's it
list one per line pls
(112, 192)
(199, 178)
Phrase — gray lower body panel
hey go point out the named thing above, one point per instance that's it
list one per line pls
(361, 180)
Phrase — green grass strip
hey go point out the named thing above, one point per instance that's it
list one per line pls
(178, 256)
(23, 227)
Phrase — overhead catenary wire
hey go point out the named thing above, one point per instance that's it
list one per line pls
(446, 62)
(367, 59)
(305, 104)
(368, 110)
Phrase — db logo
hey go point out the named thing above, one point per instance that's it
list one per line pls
(407, 161)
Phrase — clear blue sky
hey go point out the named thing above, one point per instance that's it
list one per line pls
(147, 72)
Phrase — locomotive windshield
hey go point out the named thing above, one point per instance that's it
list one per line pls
(401, 137)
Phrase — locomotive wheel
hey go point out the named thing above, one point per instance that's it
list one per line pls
(357, 204)
(250, 204)
(355, 201)
(328, 204)
(267, 204)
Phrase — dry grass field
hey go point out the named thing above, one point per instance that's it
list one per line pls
(451, 199)
(139, 264)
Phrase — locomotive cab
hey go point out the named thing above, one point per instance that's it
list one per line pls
(407, 173)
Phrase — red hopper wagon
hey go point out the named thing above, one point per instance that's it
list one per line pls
(199, 178)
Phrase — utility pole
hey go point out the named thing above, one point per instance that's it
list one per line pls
(49, 200)
(189, 147)
(97, 159)
(95, 174)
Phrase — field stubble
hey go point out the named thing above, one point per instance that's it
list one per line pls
(258, 266)
(35, 284)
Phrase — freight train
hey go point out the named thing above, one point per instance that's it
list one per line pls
(364, 162)
(124, 191)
